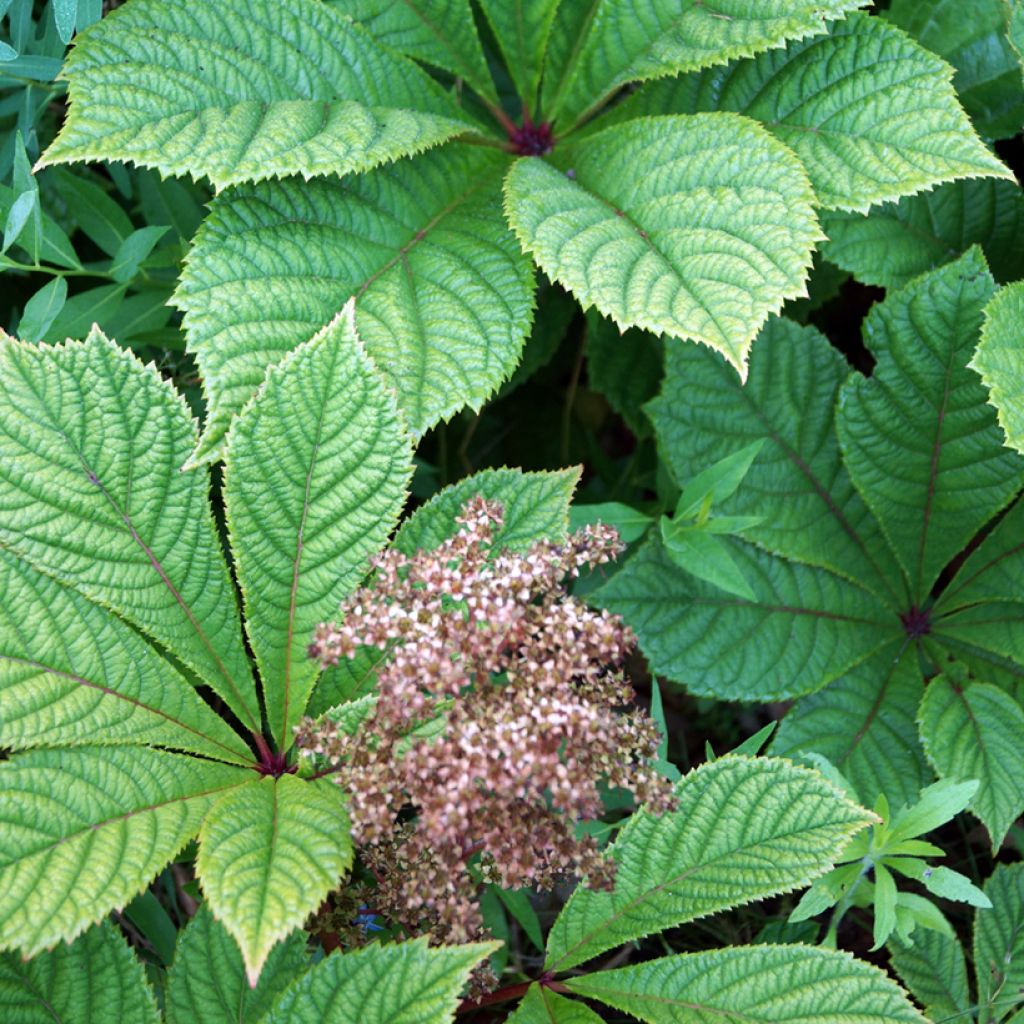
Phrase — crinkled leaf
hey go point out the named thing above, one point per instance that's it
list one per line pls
(1000, 360)
(84, 830)
(91, 443)
(315, 478)
(999, 943)
(745, 829)
(244, 89)
(805, 627)
(542, 1006)
(973, 730)
(71, 673)
(895, 242)
(536, 505)
(269, 852)
(522, 28)
(865, 724)
(207, 980)
(933, 969)
(97, 980)
(779, 984)
(918, 438)
(349, 680)
(409, 983)
(443, 294)
(694, 225)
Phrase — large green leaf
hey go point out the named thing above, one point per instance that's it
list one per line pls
(865, 724)
(535, 504)
(1000, 360)
(693, 225)
(972, 36)
(918, 438)
(97, 980)
(810, 510)
(542, 1006)
(522, 28)
(408, 983)
(745, 828)
(599, 46)
(973, 730)
(91, 443)
(933, 968)
(84, 830)
(239, 90)
(895, 242)
(783, 984)
(804, 628)
(315, 478)
(269, 852)
(443, 294)
(871, 114)
(999, 943)
(70, 673)
(207, 980)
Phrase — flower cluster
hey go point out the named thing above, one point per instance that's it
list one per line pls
(497, 713)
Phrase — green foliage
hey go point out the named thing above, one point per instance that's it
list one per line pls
(933, 969)
(1000, 362)
(999, 944)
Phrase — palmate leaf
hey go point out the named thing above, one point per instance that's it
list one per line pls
(999, 943)
(95, 981)
(895, 242)
(599, 46)
(542, 1006)
(90, 492)
(918, 439)
(408, 983)
(782, 984)
(871, 114)
(1000, 360)
(697, 226)
(269, 852)
(316, 474)
(207, 980)
(522, 28)
(443, 293)
(972, 730)
(84, 830)
(72, 673)
(239, 90)
(934, 971)
(745, 829)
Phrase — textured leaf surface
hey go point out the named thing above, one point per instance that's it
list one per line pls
(315, 478)
(600, 46)
(393, 984)
(895, 242)
(804, 628)
(871, 114)
(973, 730)
(698, 226)
(95, 981)
(542, 1006)
(745, 829)
(919, 440)
(443, 293)
(90, 492)
(1000, 360)
(934, 971)
(784, 984)
(999, 942)
(82, 831)
(70, 672)
(865, 724)
(972, 36)
(522, 28)
(244, 89)
(810, 510)
(536, 505)
(269, 852)
(207, 980)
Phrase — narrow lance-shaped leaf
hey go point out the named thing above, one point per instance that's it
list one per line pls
(91, 443)
(82, 831)
(999, 359)
(315, 478)
(269, 853)
(244, 89)
(522, 28)
(696, 226)
(96, 980)
(443, 293)
(745, 829)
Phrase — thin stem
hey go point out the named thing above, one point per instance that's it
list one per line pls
(570, 400)
(501, 995)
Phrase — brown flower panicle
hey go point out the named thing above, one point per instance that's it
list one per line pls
(527, 679)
